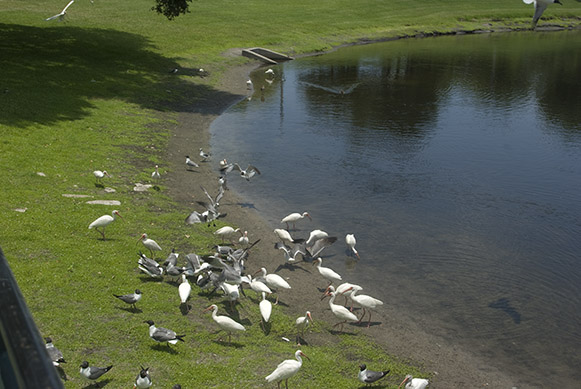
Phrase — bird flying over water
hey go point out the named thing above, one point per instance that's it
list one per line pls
(540, 7)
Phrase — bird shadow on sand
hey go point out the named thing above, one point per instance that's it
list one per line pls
(192, 171)
(130, 309)
(98, 185)
(363, 324)
(165, 348)
(99, 384)
(341, 332)
(150, 279)
(291, 268)
(373, 386)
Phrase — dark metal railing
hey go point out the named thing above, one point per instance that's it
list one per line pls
(24, 361)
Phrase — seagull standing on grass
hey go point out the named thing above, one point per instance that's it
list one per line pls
(103, 222)
(540, 7)
(369, 376)
(61, 15)
(286, 369)
(93, 373)
(56, 356)
(160, 334)
(131, 298)
(143, 379)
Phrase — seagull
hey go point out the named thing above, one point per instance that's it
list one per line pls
(350, 240)
(366, 302)
(290, 254)
(190, 163)
(184, 289)
(149, 243)
(302, 323)
(286, 369)
(339, 311)
(273, 281)
(99, 175)
(143, 379)
(56, 356)
(540, 7)
(294, 217)
(326, 272)
(369, 376)
(155, 175)
(265, 308)
(224, 322)
(247, 173)
(104, 221)
(150, 266)
(160, 334)
(61, 15)
(205, 156)
(414, 383)
(249, 84)
(93, 373)
(226, 231)
(131, 298)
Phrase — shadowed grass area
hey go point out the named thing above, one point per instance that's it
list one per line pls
(96, 92)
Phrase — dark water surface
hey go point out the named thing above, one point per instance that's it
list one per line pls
(456, 162)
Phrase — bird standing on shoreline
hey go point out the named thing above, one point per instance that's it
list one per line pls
(350, 241)
(204, 156)
(295, 217)
(190, 163)
(540, 7)
(302, 323)
(327, 273)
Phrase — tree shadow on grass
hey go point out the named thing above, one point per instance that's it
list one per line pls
(53, 74)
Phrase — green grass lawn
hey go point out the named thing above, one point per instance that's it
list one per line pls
(93, 93)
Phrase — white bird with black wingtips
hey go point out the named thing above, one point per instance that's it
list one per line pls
(93, 373)
(56, 356)
(190, 163)
(204, 156)
(247, 173)
(104, 221)
(369, 376)
(161, 335)
(131, 298)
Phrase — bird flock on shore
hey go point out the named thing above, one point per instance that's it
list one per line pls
(225, 271)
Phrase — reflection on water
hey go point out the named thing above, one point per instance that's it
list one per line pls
(456, 162)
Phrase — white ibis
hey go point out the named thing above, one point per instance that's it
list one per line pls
(286, 369)
(350, 240)
(295, 217)
(414, 383)
(369, 376)
(149, 243)
(204, 156)
(269, 71)
(93, 373)
(346, 289)
(56, 356)
(61, 15)
(326, 272)
(143, 379)
(99, 174)
(367, 302)
(340, 311)
(160, 334)
(224, 322)
(223, 164)
(265, 308)
(283, 235)
(243, 240)
(314, 236)
(226, 231)
(273, 281)
(302, 323)
(190, 163)
(540, 7)
(155, 175)
(258, 286)
(184, 289)
(103, 222)
(232, 291)
(131, 298)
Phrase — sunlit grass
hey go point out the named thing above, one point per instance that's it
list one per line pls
(95, 92)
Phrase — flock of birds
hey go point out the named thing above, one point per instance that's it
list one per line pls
(540, 7)
(225, 271)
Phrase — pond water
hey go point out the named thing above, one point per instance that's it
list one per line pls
(456, 162)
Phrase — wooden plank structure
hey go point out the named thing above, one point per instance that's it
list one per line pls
(265, 55)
